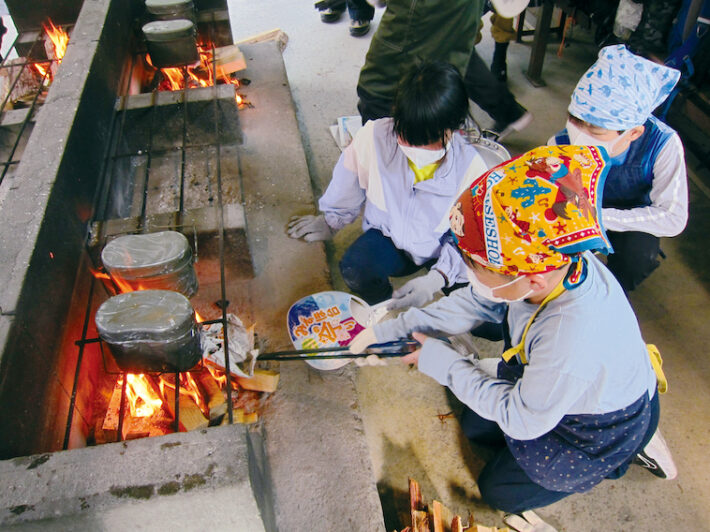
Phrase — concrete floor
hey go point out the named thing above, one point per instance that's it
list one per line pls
(401, 407)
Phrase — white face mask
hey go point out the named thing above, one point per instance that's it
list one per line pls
(487, 292)
(421, 157)
(579, 137)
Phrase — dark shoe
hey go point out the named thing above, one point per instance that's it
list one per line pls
(331, 15)
(358, 28)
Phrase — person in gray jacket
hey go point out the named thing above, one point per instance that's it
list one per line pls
(574, 398)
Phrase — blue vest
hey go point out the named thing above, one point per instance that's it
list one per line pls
(628, 185)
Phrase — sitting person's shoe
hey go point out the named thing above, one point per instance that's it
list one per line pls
(518, 125)
(331, 15)
(657, 458)
(358, 28)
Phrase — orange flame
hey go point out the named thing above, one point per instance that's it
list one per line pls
(199, 317)
(219, 376)
(59, 38)
(198, 75)
(189, 388)
(142, 400)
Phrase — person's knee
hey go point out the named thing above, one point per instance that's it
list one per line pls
(496, 494)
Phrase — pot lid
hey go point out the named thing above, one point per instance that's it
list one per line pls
(167, 7)
(168, 30)
(153, 315)
(145, 255)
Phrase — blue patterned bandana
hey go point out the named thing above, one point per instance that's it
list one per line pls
(621, 89)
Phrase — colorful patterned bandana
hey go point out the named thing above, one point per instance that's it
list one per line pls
(621, 89)
(534, 213)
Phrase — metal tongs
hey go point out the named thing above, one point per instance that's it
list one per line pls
(394, 349)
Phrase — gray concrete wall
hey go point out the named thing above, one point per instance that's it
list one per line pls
(44, 209)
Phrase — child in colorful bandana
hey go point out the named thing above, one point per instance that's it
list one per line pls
(574, 401)
(402, 173)
(646, 194)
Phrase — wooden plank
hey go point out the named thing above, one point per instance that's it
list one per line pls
(420, 521)
(110, 425)
(264, 380)
(229, 59)
(271, 35)
(191, 416)
(420, 518)
(215, 397)
(437, 517)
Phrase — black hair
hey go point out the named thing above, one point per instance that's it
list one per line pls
(431, 101)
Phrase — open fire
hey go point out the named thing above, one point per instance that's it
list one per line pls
(146, 405)
(215, 66)
(58, 39)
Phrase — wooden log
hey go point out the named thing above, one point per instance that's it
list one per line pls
(110, 425)
(240, 416)
(216, 400)
(247, 400)
(229, 59)
(190, 415)
(264, 380)
(271, 35)
(420, 517)
(456, 524)
(437, 516)
(420, 521)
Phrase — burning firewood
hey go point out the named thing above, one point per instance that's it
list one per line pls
(28, 84)
(214, 396)
(229, 59)
(264, 380)
(110, 425)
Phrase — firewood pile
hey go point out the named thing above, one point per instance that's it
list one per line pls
(436, 517)
(149, 407)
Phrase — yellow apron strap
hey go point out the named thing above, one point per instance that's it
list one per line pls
(520, 348)
(657, 364)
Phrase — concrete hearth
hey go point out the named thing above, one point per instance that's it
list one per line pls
(306, 466)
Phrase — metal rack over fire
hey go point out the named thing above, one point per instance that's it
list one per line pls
(26, 73)
(174, 138)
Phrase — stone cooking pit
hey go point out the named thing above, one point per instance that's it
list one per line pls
(105, 153)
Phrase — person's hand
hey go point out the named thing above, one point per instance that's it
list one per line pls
(413, 357)
(418, 291)
(310, 228)
(362, 341)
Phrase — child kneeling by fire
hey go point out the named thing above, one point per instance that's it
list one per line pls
(575, 400)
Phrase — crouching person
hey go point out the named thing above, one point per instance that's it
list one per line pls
(574, 400)
(402, 173)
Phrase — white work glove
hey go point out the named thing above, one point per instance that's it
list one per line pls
(311, 228)
(418, 291)
(528, 522)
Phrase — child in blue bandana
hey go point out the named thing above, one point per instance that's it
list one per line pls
(646, 192)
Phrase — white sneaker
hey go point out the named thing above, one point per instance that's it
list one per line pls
(657, 458)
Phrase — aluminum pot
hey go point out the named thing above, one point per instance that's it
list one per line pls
(171, 43)
(150, 331)
(153, 261)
